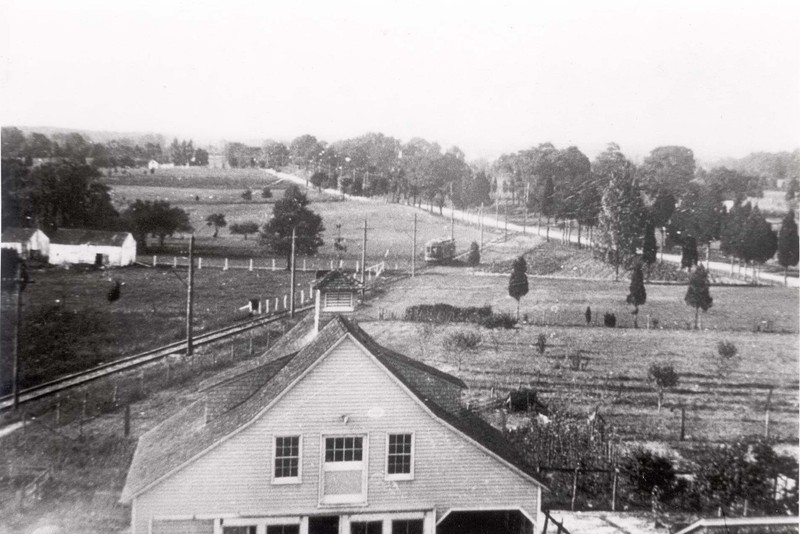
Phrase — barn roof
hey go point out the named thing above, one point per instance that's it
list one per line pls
(75, 236)
(336, 280)
(241, 398)
(18, 235)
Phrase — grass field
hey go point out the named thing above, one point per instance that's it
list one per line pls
(150, 312)
(563, 301)
(723, 399)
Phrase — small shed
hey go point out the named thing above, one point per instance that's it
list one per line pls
(70, 246)
(30, 243)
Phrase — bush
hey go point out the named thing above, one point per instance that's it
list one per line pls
(727, 349)
(646, 471)
(541, 343)
(247, 194)
(446, 313)
(610, 320)
(474, 257)
(266, 193)
(462, 341)
(499, 320)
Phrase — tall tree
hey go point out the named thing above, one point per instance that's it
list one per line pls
(697, 295)
(699, 215)
(788, 244)
(622, 217)
(518, 281)
(157, 218)
(637, 295)
(290, 212)
(649, 246)
(12, 142)
(760, 240)
(217, 220)
(668, 168)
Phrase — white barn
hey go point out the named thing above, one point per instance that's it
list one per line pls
(28, 242)
(98, 247)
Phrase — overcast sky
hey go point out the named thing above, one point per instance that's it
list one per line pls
(721, 77)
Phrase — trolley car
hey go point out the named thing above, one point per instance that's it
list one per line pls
(440, 251)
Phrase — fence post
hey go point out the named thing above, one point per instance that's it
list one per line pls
(304, 265)
(127, 420)
(683, 423)
(266, 306)
(574, 489)
(331, 265)
(155, 261)
(277, 305)
(199, 263)
(225, 267)
(614, 490)
(302, 296)
(174, 261)
(58, 412)
(285, 301)
(251, 264)
(273, 264)
(251, 343)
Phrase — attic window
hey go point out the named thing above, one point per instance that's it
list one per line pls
(338, 300)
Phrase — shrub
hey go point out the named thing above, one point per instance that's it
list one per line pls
(541, 343)
(499, 320)
(446, 313)
(247, 194)
(462, 341)
(610, 320)
(266, 193)
(646, 471)
(474, 256)
(727, 349)
(588, 315)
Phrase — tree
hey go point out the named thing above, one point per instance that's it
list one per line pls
(247, 194)
(668, 168)
(637, 294)
(699, 216)
(760, 240)
(788, 244)
(266, 193)
(290, 212)
(200, 158)
(12, 142)
(697, 295)
(318, 178)
(217, 220)
(157, 218)
(460, 343)
(245, 228)
(649, 246)
(791, 189)
(645, 471)
(66, 195)
(661, 211)
(622, 217)
(663, 377)
(518, 281)
(474, 256)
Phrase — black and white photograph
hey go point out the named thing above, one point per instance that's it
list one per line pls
(399, 267)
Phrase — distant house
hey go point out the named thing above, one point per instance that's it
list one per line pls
(97, 247)
(29, 243)
(329, 432)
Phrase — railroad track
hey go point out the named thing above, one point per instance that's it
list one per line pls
(130, 362)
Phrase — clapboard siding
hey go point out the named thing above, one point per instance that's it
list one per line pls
(235, 477)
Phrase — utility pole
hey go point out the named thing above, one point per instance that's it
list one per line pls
(190, 299)
(481, 227)
(505, 232)
(364, 259)
(19, 282)
(525, 220)
(414, 248)
(291, 279)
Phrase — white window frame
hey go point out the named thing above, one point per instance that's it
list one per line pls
(288, 480)
(400, 476)
(363, 465)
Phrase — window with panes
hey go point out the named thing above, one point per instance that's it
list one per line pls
(345, 449)
(287, 457)
(399, 455)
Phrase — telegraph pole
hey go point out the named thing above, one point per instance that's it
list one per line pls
(414, 248)
(291, 279)
(481, 226)
(505, 232)
(525, 221)
(364, 259)
(18, 281)
(190, 298)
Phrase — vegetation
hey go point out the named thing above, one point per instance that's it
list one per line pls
(245, 228)
(461, 343)
(698, 295)
(474, 256)
(788, 244)
(291, 215)
(445, 313)
(663, 377)
(217, 220)
(157, 218)
(518, 281)
(637, 294)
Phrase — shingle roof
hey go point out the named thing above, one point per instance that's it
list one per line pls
(75, 236)
(242, 397)
(337, 280)
(18, 235)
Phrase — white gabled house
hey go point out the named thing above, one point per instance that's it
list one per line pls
(29, 243)
(97, 247)
(329, 432)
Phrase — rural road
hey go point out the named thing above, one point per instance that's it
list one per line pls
(488, 221)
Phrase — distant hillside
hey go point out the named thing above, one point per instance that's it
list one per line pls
(104, 136)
